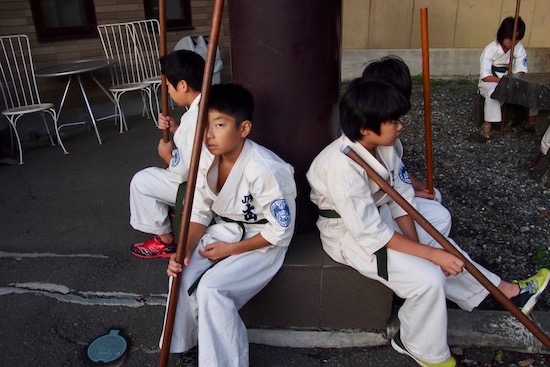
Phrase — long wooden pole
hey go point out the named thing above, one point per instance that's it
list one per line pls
(427, 102)
(510, 63)
(162, 52)
(499, 296)
(202, 121)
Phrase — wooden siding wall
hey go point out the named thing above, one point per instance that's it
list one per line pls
(395, 24)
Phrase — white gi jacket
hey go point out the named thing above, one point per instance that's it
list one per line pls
(259, 188)
(260, 195)
(183, 140)
(493, 55)
(338, 183)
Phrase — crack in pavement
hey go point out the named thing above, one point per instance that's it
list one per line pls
(87, 298)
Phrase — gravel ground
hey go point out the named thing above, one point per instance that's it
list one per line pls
(500, 215)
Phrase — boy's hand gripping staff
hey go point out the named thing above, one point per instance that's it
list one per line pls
(192, 180)
(499, 296)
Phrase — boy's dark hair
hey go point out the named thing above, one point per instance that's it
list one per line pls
(368, 103)
(233, 100)
(183, 65)
(506, 29)
(391, 69)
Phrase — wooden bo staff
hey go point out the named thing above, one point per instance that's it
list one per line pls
(510, 63)
(162, 50)
(448, 246)
(202, 121)
(427, 103)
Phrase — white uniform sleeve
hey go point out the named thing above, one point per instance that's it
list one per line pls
(520, 59)
(352, 198)
(275, 191)
(183, 139)
(202, 202)
(403, 185)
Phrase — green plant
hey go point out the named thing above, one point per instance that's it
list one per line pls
(464, 79)
(542, 257)
(437, 82)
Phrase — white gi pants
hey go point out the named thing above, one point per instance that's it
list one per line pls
(210, 315)
(435, 213)
(545, 142)
(424, 287)
(151, 194)
(491, 107)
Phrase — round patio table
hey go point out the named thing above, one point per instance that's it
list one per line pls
(76, 69)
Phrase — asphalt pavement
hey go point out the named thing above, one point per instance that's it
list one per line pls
(67, 275)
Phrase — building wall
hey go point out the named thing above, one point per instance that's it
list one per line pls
(458, 31)
(395, 24)
(16, 18)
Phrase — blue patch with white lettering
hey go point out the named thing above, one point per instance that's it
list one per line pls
(281, 212)
(404, 175)
(176, 158)
(525, 62)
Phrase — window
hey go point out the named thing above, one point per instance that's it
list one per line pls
(178, 13)
(63, 19)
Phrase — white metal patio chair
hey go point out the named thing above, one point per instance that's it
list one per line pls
(146, 36)
(128, 75)
(19, 88)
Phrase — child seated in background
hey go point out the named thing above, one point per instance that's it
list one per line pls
(494, 62)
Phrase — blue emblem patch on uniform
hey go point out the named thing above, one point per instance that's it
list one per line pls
(281, 212)
(404, 175)
(176, 158)
(525, 62)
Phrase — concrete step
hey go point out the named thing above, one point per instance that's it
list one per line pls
(311, 291)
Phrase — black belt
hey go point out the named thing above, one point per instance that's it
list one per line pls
(241, 224)
(498, 69)
(381, 254)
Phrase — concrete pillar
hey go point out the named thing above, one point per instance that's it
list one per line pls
(287, 53)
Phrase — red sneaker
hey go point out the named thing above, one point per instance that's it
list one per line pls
(153, 248)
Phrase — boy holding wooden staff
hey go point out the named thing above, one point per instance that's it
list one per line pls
(362, 227)
(153, 190)
(241, 224)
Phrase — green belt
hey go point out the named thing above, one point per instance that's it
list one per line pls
(381, 254)
(499, 69)
(178, 208)
(328, 213)
(241, 224)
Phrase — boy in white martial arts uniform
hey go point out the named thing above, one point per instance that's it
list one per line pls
(494, 62)
(393, 70)
(249, 193)
(153, 190)
(364, 228)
